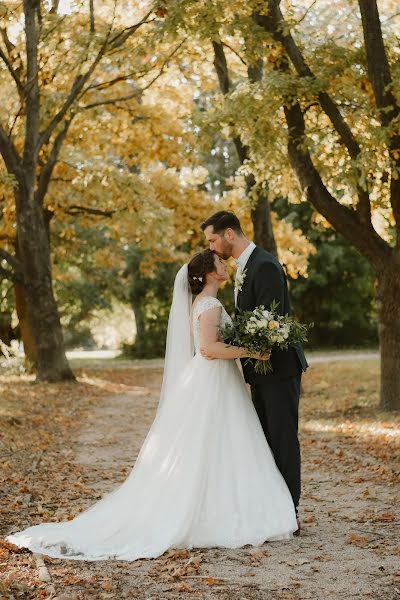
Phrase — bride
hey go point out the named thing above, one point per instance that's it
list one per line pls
(205, 475)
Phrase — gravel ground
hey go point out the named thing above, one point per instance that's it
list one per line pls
(342, 551)
(349, 546)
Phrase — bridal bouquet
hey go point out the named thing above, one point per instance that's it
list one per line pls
(260, 330)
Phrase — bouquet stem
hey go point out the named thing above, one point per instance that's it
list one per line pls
(263, 367)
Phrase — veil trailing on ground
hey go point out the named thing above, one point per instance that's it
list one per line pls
(179, 347)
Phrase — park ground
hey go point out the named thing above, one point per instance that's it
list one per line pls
(62, 446)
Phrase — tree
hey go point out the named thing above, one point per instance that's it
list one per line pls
(116, 152)
(260, 209)
(31, 159)
(60, 87)
(353, 221)
(327, 111)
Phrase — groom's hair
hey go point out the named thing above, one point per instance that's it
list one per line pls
(222, 220)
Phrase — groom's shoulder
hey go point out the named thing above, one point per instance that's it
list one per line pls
(263, 257)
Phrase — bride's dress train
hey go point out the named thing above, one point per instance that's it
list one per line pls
(205, 477)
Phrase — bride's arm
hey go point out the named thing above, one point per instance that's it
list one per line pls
(210, 344)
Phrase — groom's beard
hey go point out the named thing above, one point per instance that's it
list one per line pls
(225, 252)
(223, 255)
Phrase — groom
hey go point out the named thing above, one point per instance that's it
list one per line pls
(260, 279)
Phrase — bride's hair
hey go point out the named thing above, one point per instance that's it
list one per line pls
(199, 265)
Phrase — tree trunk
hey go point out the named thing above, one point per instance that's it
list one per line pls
(262, 224)
(26, 332)
(388, 295)
(25, 326)
(6, 330)
(260, 211)
(140, 323)
(34, 253)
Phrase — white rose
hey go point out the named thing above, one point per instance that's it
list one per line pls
(262, 324)
(239, 280)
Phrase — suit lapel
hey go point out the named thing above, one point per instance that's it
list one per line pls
(248, 269)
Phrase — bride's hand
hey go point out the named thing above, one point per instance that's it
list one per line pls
(206, 354)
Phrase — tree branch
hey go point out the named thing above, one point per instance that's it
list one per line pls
(274, 24)
(381, 80)
(120, 38)
(16, 117)
(10, 259)
(75, 90)
(32, 91)
(7, 42)
(313, 3)
(139, 91)
(16, 273)
(75, 209)
(13, 73)
(9, 275)
(343, 219)
(9, 153)
(377, 62)
(261, 211)
(235, 53)
(106, 84)
(353, 225)
(54, 7)
(393, 16)
(47, 170)
(221, 67)
(92, 24)
(114, 100)
(58, 22)
(80, 81)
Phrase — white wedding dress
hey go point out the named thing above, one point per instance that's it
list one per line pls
(205, 477)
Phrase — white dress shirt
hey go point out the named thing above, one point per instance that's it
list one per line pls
(241, 262)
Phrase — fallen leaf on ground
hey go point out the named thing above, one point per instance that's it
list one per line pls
(357, 540)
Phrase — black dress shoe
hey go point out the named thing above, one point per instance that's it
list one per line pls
(297, 532)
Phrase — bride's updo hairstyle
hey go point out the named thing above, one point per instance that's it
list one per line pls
(198, 267)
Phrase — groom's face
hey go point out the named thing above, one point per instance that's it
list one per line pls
(218, 243)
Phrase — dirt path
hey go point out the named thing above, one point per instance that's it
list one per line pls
(64, 445)
(349, 547)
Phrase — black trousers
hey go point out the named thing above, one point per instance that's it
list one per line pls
(277, 406)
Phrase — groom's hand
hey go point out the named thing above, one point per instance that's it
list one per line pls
(206, 354)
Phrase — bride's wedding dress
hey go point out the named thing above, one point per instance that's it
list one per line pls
(205, 476)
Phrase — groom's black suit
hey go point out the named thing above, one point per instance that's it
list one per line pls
(276, 395)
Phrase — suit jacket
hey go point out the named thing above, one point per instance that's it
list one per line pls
(265, 281)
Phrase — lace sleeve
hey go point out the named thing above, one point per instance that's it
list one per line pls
(205, 304)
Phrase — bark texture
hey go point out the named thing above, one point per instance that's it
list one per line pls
(42, 312)
(388, 295)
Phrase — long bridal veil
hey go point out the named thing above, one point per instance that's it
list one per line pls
(179, 348)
